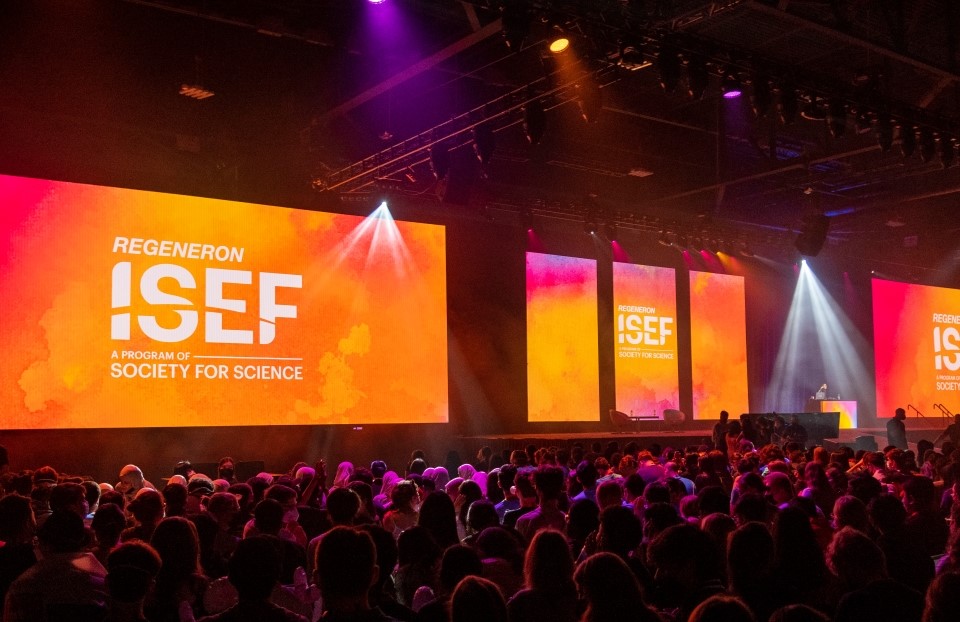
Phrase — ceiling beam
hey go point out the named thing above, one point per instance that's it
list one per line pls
(414, 70)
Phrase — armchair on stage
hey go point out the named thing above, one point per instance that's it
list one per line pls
(624, 423)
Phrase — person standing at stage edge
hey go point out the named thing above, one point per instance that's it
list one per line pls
(720, 432)
(896, 431)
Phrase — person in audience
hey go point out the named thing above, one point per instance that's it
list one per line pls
(458, 562)
(180, 578)
(477, 600)
(404, 508)
(130, 481)
(526, 494)
(722, 608)
(869, 595)
(610, 591)
(549, 484)
(131, 570)
(506, 479)
(383, 594)
(254, 570)
(345, 571)
(17, 529)
(943, 599)
(549, 593)
(417, 563)
(688, 568)
(439, 518)
(147, 510)
(906, 562)
(66, 583)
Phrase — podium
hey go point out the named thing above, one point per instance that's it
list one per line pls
(846, 408)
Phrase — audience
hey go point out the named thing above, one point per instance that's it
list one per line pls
(588, 533)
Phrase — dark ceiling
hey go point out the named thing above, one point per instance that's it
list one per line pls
(330, 100)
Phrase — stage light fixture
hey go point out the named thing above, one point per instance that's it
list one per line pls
(861, 121)
(664, 239)
(376, 1)
(515, 18)
(631, 55)
(484, 142)
(731, 86)
(194, 91)
(610, 231)
(590, 100)
(668, 66)
(697, 77)
(836, 117)
(813, 234)
(788, 105)
(526, 220)
(440, 161)
(589, 226)
(884, 131)
(762, 98)
(534, 121)
(927, 144)
(945, 150)
(814, 111)
(908, 139)
(559, 45)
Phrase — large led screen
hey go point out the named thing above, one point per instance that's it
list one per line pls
(645, 339)
(563, 368)
(124, 308)
(718, 344)
(916, 339)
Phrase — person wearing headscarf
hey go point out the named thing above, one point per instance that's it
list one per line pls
(382, 501)
(441, 476)
(466, 471)
(344, 473)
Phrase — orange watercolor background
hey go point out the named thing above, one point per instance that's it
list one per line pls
(370, 330)
(718, 344)
(563, 369)
(646, 386)
(905, 353)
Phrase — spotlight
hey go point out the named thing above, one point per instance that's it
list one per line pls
(559, 45)
(526, 219)
(534, 121)
(927, 144)
(376, 1)
(681, 241)
(731, 86)
(908, 139)
(610, 231)
(813, 234)
(697, 77)
(697, 243)
(590, 226)
(836, 117)
(884, 132)
(788, 105)
(668, 64)
(946, 150)
(589, 99)
(762, 98)
(484, 142)
(516, 23)
(439, 161)
(194, 91)
(664, 239)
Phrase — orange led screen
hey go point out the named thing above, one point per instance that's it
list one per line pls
(126, 308)
(718, 344)
(916, 340)
(563, 369)
(645, 339)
